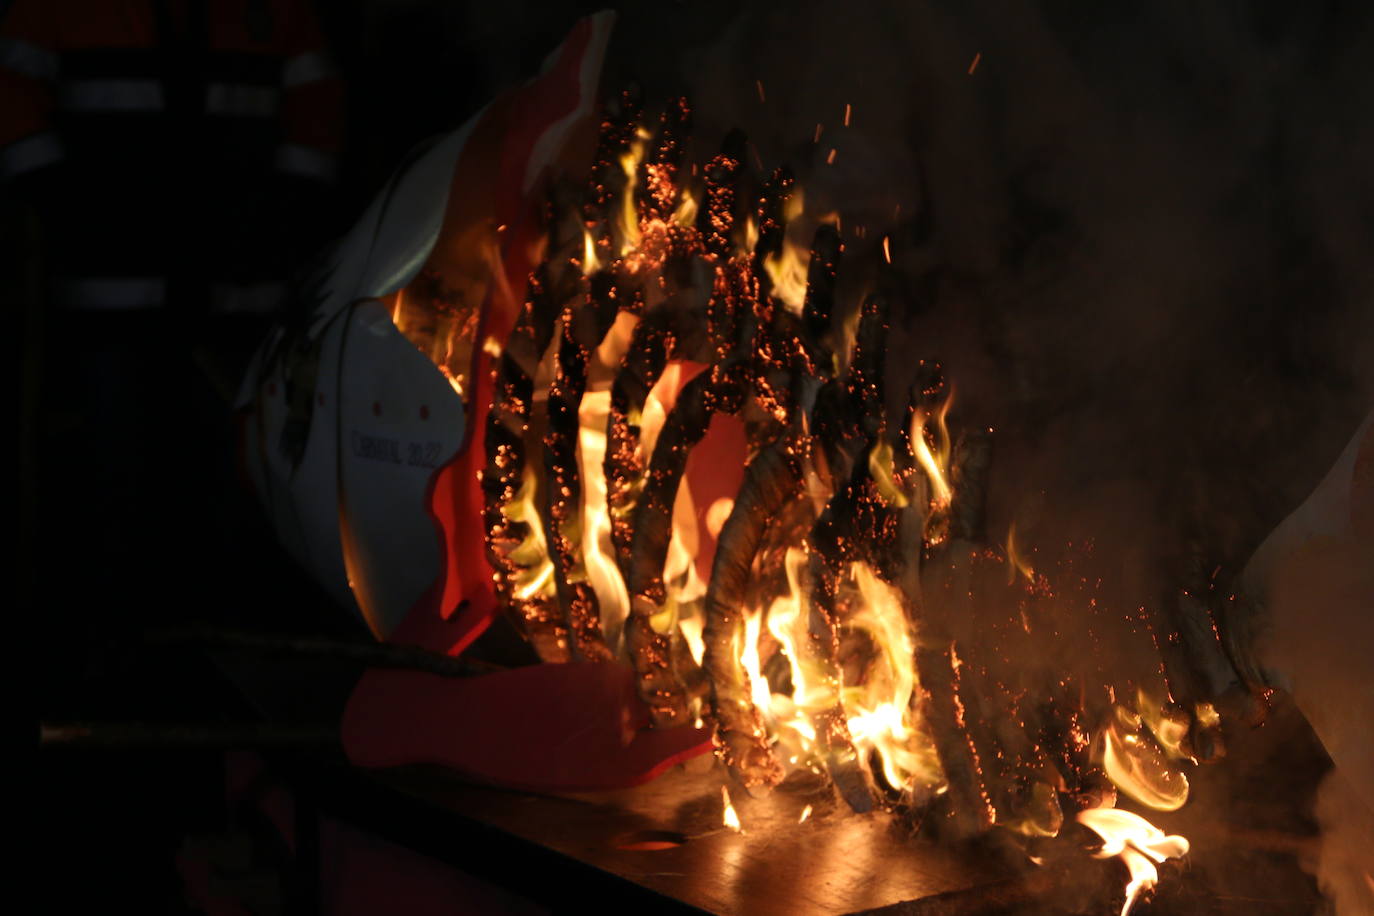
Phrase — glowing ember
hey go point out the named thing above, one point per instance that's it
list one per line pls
(1140, 845)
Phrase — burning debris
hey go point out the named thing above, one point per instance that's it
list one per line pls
(852, 620)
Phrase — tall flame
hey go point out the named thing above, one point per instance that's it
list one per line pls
(590, 262)
(598, 556)
(629, 214)
(729, 817)
(934, 462)
(1140, 844)
(1016, 564)
(880, 712)
(532, 554)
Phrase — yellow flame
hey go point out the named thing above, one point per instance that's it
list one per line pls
(629, 214)
(531, 554)
(1016, 564)
(812, 691)
(455, 380)
(590, 262)
(598, 556)
(934, 463)
(806, 812)
(728, 815)
(691, 628)
(1169, 728)
(686, 213)
(788, 273)
(1140, 845)
(751, 235)
(880, 468)
(879, 711)
(680, 576)
(396, 309)
(1136, 765)
(749, 657)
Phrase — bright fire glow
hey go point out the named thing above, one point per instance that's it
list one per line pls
(1137, 765)
(788, 273)
(598, 555)
(629, 214)
(1169, 728)
(590, 262)
(934, 462)
(806, 812)
(788, 269)
(1140, 844)
(880, 711)
(728, 815)
(686, 213)
(532, 554)
(1016, 564)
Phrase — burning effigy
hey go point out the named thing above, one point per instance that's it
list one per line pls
(631, 412)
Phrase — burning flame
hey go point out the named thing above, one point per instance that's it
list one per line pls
(751, 234)
(788, 269)
(1016, 564)
(590, 262)
(686, 213)
(1170, 729)
(1135, 763)
(866, 709)
(880, 711)
(532, 554)
(1140, 844)
(629, 214)
(934, 462)
(788, 273)
(728, 816)
(598, 555)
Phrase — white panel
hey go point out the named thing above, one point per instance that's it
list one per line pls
(399, 422)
